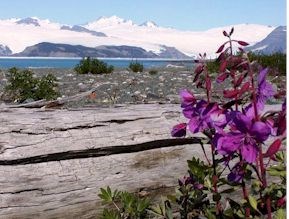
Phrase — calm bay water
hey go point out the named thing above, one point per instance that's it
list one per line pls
(71, 62)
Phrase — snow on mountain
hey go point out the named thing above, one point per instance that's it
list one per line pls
(29, 21)
(149, 24)
(123, 32)
(48, 31)
(5, 50)
(188, 42)
(274, 42)
(106, 22)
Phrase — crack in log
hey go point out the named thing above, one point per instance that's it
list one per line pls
(65, 192)
(75, 127)
(2, 150)
(102, 151)
(117, 121)
(27, 132)
(18, 206)
(21, 191)
(121, 121)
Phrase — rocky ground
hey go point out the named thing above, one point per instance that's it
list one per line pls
(123, 86)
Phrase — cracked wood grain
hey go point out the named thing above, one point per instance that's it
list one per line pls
(54, 162)
(103, 151)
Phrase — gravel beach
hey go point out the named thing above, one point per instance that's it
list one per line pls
(121, 86)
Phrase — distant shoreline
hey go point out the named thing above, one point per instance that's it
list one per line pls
(101, 58)
(71, 62)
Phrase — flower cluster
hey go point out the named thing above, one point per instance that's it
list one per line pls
(236, 128)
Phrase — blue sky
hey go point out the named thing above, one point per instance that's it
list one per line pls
(180, 14)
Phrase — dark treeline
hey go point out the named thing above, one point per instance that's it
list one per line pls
(275, 62)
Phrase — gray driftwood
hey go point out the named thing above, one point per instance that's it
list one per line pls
(54, 162)
(55, 103)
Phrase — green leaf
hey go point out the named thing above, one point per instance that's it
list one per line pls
(110, 214)
(280, 214)
(253, 202)
(277, 171)
(105, 195)
(142, 205)
(172, 198)
(158, 210)
(209, 214)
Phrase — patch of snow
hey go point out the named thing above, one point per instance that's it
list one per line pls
(149, 24)
(260, 48)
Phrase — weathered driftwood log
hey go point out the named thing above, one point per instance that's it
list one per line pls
(53, 162)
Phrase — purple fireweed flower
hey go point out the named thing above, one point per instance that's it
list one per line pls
(265, 89)
(264, 92)
(186, 180)
(179, 130)
(187, 98)
(237, 173)
(245, 137)
(198, 186)
(204, 115)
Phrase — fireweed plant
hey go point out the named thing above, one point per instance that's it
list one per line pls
(245, 142)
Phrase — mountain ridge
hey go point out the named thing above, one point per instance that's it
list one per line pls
(46, 49)
(274, 42)
(116, 31)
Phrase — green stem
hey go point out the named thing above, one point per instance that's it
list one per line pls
(215, 180)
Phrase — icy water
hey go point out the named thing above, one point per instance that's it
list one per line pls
(27, 62)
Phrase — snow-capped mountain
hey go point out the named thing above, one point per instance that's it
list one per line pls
(274, 42)
(29, 21)
(104, 22)
(149, 24)
(5, 51)
(115, 31)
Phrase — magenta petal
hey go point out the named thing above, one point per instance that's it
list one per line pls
(262, 75)
(196, 125)
(250, 112)
(179, 130)
(218, 119)
(211, 107)
(201, 105)
(260, 131)
(249, 152)
(228, 144)
(187, 98)
(237, 173)
(267, 90)
(243, 123)
(189, 111)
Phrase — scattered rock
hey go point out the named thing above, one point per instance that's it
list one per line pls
(151, 95)
(29, 100)
(82, 87)
(172, 98)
